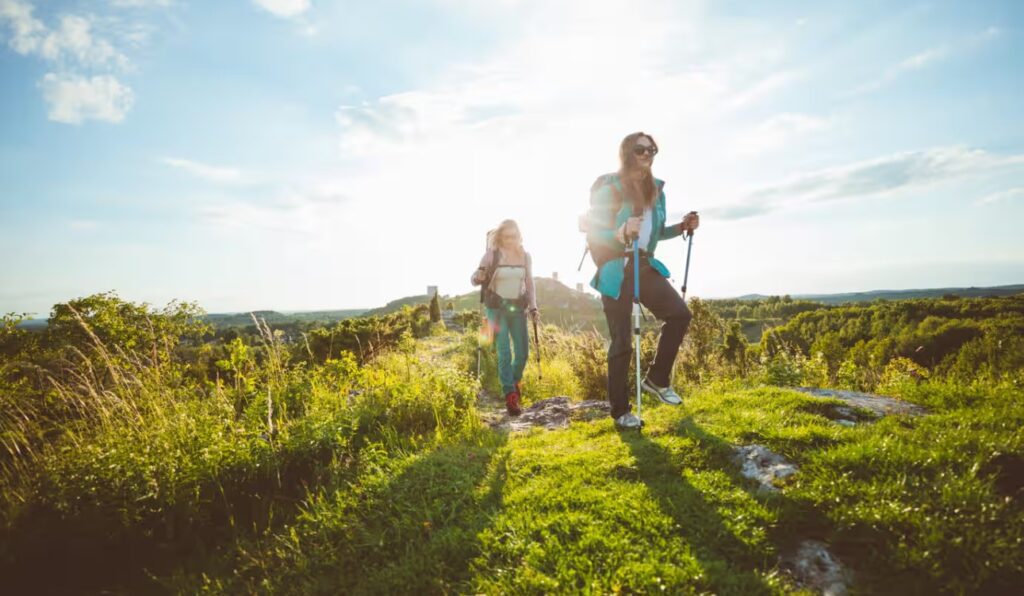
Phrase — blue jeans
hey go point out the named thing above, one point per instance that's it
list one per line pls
(509, 321)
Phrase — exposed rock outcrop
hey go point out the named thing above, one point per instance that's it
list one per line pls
(759, 463)
(551, 413)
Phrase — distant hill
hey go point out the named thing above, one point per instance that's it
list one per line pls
(397, 305)
(558, 303)
(273, 317)
(563, 305)
(971, 292)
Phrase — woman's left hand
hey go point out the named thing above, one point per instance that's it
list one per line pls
(534, 314)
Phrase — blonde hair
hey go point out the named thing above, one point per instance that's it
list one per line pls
(494, 237)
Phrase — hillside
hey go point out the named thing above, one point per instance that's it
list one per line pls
(567, 307)
(276, 318)
(373, 457)
(842, 298)
(559, 304)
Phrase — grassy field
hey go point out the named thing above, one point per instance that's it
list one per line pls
(910, 505)
(286, 476)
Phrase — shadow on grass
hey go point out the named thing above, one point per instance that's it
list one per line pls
(730, 562)
(98, 550)
(416, 531)
(413, 533)
(798, 520)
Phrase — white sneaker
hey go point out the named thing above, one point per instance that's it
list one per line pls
(627, 420)
(664, 394)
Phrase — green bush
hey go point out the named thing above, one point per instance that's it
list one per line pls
(898, 374)
(556, 377)
(149, 460)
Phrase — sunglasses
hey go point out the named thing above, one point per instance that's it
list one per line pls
(648, 149)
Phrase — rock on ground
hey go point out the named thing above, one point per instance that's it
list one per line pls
(759, 463)
(814, 567)
(879, 405)
(551, 413)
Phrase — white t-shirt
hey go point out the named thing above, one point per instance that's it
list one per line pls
(645, 228)
(508, 281)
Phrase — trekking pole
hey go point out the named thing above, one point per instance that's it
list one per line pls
(584, 227)
(479, 339)
(686, 273)
(480, 329)
(635, 241)
(536, 342)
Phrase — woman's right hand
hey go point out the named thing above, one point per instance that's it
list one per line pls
(630, 229)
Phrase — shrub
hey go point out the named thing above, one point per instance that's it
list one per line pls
(558, 378)
(899, 373)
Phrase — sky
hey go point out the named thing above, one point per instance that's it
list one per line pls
(306, 155)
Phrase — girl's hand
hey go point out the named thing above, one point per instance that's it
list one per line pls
(630, 229)
(690, 222)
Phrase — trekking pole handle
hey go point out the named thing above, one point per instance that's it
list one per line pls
(689, 247)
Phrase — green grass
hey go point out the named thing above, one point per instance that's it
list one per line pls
(588, 509)
(398, 488)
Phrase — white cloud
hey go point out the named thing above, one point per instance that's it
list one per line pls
(311, 213)
(522, 131)
(1003, 195)
(285, 9)
(870, 178)
(776, 132)
(26, 31)
(70, 47)
(72, 42)
(73, 99)
(140, 3)
(990, 33)
(755, 91)
(926, 58)
(912, 63)
(74, 39)
(919, 60)
(564, 75)
(205, 171)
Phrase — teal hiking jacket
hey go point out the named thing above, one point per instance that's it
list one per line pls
(603, 224)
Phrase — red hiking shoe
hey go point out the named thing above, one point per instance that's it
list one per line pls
(512, 403)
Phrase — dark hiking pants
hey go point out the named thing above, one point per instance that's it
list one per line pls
(658, 296)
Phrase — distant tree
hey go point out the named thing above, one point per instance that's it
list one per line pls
(435, 309)
(734, 348)
(105, 328)
(702, 341)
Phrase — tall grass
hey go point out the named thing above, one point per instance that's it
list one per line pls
(147, 460)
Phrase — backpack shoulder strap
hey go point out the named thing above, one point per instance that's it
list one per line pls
(612, 182)
(489, 274)
(605, 180)
(495, 257)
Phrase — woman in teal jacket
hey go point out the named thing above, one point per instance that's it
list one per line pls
(630, 204)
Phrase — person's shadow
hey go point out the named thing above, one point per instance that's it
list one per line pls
(728, 548)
